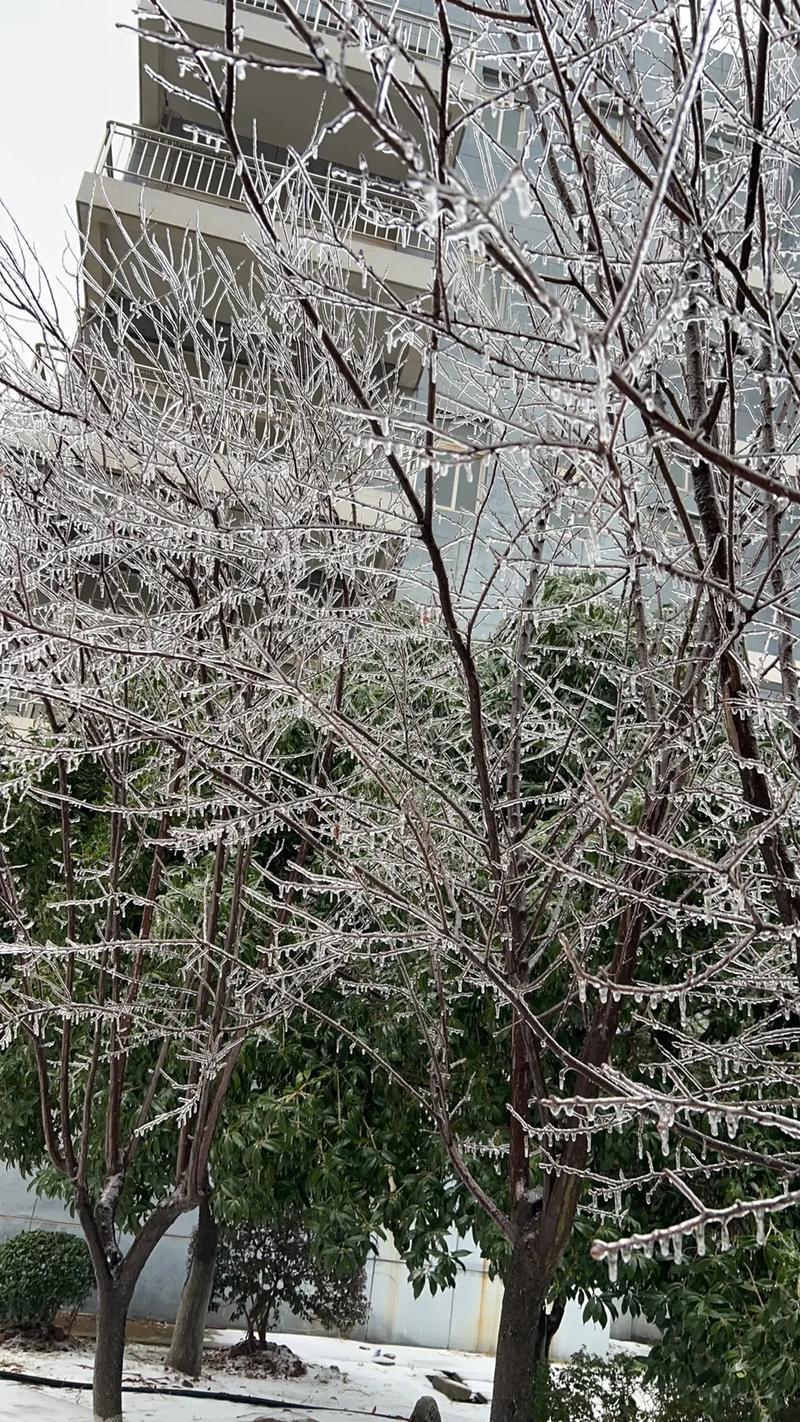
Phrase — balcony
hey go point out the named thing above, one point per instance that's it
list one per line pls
(200, 165)
(296, 112)
(419, 35)
(190, 183)
(256, 416)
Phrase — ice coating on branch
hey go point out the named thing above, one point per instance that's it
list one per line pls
(523, 644)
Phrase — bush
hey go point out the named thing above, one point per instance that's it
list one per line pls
(731, 1327)
(40, 1273)
(589, 1390)
(614, 1390)
(262, 1268)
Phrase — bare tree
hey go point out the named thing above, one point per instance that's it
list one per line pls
(609, 330)
(166, 523)
(594, 829)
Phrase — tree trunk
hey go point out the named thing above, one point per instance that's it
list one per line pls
(552, 1325)
(518, 1339)
(547, 1328)
(186, 1349)
(112, 1312)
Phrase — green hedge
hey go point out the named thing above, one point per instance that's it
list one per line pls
(40, 1273)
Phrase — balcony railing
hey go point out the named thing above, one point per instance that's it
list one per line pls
(458, 426)
(369, 208)
(418, 34)
(458, 488)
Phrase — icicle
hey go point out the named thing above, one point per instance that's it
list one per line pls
(523, 194)
(613, 1268)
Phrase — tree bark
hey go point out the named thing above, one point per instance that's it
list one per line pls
(112, 1312)
(518, 1338)
(186, 1349)
(116, 1280)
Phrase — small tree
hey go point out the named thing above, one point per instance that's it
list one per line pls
(264, 1268)
(146, 649)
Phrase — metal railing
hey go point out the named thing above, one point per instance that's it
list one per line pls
(136, 380)
(368, 207)
(418, 34)
(154, 382)
(458, 489)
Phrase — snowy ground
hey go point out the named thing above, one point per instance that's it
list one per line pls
(360, 1386)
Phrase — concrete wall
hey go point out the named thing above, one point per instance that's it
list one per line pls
(159, 1287)
(464, 1317)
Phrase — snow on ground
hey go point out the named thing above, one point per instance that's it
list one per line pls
(362, 1385)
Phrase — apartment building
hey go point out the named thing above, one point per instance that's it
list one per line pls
(174, 170)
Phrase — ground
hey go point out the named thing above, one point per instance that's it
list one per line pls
(347, 1378)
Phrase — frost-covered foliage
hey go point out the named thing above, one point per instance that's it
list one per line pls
(538, 617)
(731, 1327)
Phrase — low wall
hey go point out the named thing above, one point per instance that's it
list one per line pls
(463, 1317)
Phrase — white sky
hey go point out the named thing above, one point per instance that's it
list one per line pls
(66, 70)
